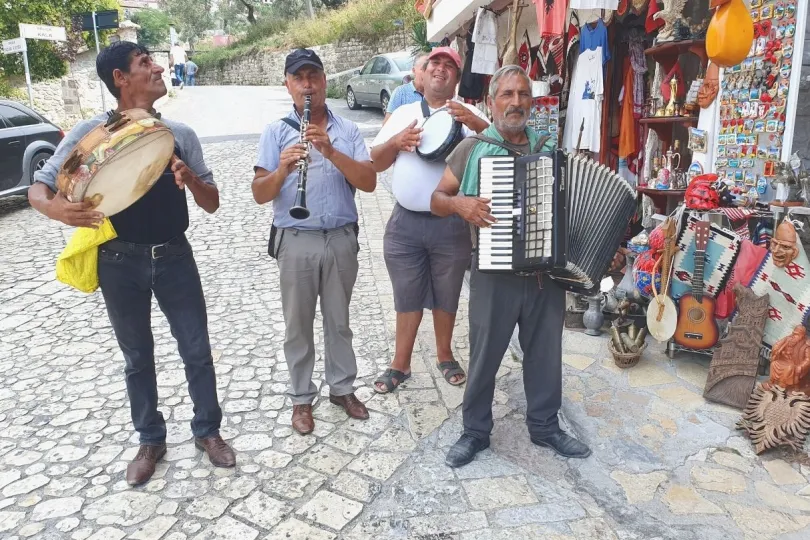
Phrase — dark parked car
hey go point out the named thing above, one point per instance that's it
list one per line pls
(27, 140)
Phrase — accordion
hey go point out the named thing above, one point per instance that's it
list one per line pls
(561, 214)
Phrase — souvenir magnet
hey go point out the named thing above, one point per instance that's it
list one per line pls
(790, 9)
(768, 168)
(734, 163)
(766, 12)
(762, 185)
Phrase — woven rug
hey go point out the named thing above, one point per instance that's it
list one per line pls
(721, 253)
(789, 292)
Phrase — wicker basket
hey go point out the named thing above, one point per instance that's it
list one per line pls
(625, 360)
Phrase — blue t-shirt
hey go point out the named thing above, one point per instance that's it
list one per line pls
(591, 38)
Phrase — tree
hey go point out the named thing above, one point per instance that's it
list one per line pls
(47, 59)
(332, 4)
(192, 18)
(154, 27)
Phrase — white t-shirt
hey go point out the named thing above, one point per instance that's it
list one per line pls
(178, 54)
(414, 179)
(585, 103)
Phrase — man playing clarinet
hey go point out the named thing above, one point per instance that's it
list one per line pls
(317, 256)
(499, 301)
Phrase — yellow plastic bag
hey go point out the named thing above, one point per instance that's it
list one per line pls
(77, 265)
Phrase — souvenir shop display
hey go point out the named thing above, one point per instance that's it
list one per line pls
(696, 326)
(730, 32)
(784, 275)
(755, 102)
(669, 14)
(775, 417)
(545, 117)
(735, 362)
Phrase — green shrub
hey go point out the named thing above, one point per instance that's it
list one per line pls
(367, 20)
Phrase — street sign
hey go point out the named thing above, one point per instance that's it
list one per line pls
(105, 20)
(16, 45)
(40, 31)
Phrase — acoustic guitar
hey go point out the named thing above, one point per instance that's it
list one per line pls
(697, 329)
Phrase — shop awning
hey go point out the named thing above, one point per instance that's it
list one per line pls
(448, 16)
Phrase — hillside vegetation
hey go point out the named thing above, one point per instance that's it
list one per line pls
(366, 20)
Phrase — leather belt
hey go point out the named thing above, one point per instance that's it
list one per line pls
(155, 251)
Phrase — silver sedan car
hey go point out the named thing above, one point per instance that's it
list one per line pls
(376, 82)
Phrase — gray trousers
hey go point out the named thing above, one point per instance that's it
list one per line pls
(537, 306)
(316, 264)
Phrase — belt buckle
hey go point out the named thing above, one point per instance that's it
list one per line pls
(155, 254)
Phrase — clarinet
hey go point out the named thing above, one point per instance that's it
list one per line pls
(299, 209)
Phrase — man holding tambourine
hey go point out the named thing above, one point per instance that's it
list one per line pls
(426, 255)
(150, 253)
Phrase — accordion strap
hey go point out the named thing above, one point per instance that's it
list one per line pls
(510, 149)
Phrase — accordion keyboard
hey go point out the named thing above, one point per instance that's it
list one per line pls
(497, 183)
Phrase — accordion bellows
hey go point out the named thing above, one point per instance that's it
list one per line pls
(557, 213)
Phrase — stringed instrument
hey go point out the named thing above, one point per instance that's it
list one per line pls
(730, 33)
(697, 328)
(662, 317)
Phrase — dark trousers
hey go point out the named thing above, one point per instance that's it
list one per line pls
(537, 306)
(128, 275)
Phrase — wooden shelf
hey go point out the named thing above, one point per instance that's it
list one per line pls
(661, 192)
(667, 53)
(657, 120)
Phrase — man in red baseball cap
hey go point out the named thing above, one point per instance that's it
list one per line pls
(426, 255)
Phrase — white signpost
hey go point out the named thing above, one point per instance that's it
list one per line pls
(17, 45)
(40, 31)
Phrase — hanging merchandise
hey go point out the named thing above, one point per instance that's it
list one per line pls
(753, 105)
(472, 84)
(545, 117)
(584, 114)
(730, 32)
(551, 16)
(485, 37)
(595, 4)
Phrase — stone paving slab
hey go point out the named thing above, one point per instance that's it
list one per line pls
(666, 464)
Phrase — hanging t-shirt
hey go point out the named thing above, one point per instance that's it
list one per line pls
(485, 37)
(585, 103)
(592, 37)
(595, 4)
(551, 16)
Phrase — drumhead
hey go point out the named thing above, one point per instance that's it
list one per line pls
(436, 131)
(128, 175)
(664, 329)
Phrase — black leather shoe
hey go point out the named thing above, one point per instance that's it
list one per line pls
(464, 450)
(563, 444)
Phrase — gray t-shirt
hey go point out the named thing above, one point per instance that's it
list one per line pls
(184, 138)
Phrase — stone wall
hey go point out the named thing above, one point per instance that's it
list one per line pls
(266, 68)
(51, 103)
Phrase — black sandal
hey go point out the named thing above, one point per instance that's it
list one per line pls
(452, 368)
(387, 378)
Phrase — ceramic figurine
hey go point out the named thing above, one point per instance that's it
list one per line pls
(671, 108)
(790, 360)
(785, 183)
(783, 244)
(670, 13)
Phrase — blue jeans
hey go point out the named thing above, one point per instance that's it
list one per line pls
(191, 79)
(179, 71)
(128, 275)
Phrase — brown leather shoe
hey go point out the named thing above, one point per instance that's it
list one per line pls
(220, 454)
(302, 421)
(353, 406)
(141, 469)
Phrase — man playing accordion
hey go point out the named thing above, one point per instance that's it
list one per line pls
(499, 301)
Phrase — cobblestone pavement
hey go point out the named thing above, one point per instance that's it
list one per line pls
(666, 464)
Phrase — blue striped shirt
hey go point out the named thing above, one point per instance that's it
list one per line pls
(403, 95)
(330, 197)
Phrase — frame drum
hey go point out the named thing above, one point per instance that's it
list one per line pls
(440, 135)
(116, 163)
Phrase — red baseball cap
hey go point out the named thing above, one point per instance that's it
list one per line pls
(446, 51)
